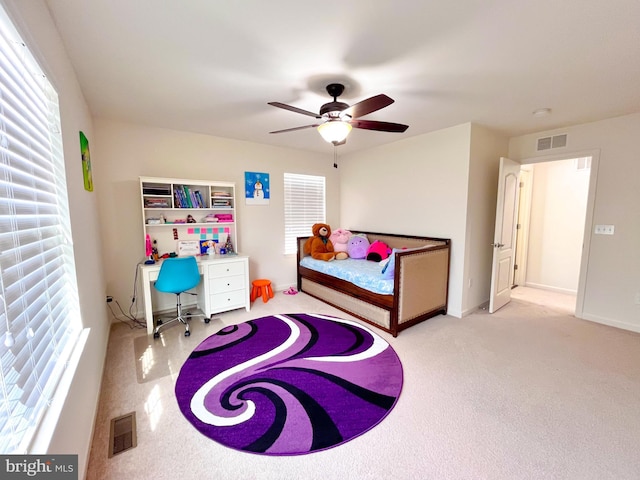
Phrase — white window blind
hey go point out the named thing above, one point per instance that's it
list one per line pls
(304, 205)
(39, 311)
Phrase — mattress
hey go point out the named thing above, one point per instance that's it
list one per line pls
(363, 273)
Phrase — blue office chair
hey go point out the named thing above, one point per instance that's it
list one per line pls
(177, 275)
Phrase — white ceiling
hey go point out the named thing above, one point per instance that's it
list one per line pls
(210, 66)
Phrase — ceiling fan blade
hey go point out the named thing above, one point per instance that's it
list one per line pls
(367, 106)
(294, 109)
(379, 126)
(295, 128)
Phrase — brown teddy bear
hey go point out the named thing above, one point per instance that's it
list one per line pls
(319, 246)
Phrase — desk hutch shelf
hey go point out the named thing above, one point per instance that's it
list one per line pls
(197, 209)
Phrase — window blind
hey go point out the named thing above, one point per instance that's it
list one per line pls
(304, 205)
(39, 310)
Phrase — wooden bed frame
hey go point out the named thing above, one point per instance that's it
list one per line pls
(421, 283)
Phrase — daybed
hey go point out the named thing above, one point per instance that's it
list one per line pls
(420, 284)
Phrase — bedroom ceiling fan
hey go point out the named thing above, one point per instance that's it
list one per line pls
(338, 118)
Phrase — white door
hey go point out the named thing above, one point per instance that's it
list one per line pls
(505, 234)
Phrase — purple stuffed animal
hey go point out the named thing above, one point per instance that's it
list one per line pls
(357, 246)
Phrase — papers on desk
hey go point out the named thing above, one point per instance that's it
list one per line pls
(188, 248)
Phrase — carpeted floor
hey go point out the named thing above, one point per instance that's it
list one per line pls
(529, 392)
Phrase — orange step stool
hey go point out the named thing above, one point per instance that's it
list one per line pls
(261, 287)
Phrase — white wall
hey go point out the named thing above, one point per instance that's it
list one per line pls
(613, 269)
(486, 149)
(129, 151)
(556, 230)
(441, 184)
(415, 186)
(72, 431)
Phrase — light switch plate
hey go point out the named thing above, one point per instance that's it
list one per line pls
(605, 229)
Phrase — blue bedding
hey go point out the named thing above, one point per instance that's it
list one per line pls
(363, 273)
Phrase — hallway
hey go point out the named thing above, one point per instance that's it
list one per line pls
(559, 301)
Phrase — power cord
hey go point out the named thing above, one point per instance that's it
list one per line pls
(131, 321)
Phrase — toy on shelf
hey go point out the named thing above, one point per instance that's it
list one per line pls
(149, 251)
(229, 246)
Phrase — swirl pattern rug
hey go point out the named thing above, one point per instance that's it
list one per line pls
(289, 384)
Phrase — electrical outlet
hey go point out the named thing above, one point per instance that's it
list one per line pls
(637, 298)
(604, 229)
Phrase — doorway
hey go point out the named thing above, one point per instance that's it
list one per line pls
(551, 220)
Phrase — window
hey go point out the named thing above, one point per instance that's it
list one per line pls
(583, 164)
(304, 205)
(39, 310)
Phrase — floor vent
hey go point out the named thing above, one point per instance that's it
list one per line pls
(122, 434)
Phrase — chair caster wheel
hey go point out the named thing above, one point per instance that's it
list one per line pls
(156, 334)
(159, 322)
(207, 319)
(187, 333)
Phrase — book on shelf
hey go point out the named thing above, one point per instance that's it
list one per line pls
(178, 195)
(198, 199)
(187, 196)
(221, 193)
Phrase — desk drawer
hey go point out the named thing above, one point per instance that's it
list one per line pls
(227, 284)
(226, 269)
(221, 302)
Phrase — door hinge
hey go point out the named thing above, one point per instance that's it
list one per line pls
(515, 266)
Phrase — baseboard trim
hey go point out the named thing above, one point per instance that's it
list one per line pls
(611, 323)
(477, 308)
(550, 288)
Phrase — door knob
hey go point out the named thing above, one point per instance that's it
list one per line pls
(497, 245)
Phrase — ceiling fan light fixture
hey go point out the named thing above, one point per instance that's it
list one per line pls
(334, 131)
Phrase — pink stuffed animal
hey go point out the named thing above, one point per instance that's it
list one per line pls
(377, 251)
(340, 239)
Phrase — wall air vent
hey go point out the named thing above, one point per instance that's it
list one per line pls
(559, 141)
(544, 143)
(547, 143)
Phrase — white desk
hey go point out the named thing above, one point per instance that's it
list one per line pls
(224, 285)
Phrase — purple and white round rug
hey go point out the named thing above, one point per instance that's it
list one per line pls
(289, 384)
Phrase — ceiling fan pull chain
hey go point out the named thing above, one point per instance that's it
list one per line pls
(335, 156)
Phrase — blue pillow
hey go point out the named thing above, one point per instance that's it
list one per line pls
(389, 269)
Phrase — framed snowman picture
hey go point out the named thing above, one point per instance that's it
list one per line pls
(257, 189)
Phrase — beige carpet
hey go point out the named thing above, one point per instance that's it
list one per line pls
(157, 358)
(529, 392)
